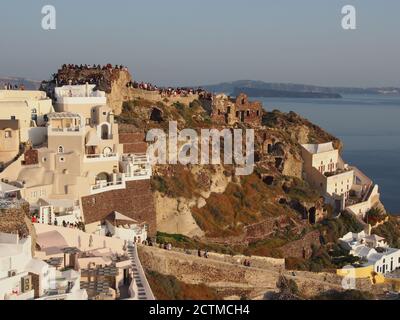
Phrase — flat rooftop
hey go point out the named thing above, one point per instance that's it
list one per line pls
(319, 148)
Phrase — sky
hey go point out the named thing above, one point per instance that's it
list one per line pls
(186, 42)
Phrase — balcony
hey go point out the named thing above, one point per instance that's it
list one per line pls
(142, 174)
(64, 131)
(135, 167)
(104, 186)
(100, 157)
(136, 159)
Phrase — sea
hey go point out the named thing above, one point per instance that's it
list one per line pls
(369, 127)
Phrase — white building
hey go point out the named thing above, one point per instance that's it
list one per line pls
(343, 186)
(82, 156)
(25, 278)
(373, 249)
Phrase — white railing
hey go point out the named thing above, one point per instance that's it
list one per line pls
(65, 131)
(138, 175)
(139, 281)
(100, 157)
(74, 129)
(136, 158)
(107, 186)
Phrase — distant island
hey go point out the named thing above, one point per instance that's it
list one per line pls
(269, 89)
(269, 93)
(28, 84)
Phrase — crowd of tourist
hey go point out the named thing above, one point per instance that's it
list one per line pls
(96, 76)
(166, 246)
(108, 66)
(10, 86)
(169, 92)
(65, 224)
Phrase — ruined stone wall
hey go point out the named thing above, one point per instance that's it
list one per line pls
(228, 277)
(227, 111)
(136, 202)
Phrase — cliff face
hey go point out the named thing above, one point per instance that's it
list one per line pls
(262, 213)
(14, 218)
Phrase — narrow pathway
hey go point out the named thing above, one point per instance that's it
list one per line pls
(139, 288)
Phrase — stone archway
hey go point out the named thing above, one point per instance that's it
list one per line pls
(102, 176)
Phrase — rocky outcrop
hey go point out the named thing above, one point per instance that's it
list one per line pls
(174, 215)
(15, 218)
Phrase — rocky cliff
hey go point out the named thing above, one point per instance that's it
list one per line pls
(262, 213)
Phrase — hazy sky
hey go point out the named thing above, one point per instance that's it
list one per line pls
(207, 41)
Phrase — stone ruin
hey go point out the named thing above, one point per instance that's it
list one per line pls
(229, 111)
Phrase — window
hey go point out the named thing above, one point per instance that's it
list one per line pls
(60, 149)
(62, 159)
(87, 121)
(248, 113)
(8, 134)
(104, 113)
(13, 118)
(44, 159)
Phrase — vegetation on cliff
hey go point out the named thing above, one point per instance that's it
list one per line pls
(170, 288)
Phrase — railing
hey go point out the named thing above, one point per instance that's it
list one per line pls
(136, 158)
(139, 288)
(101, 157)
(107, 186)
(60, 130)
(138, 175)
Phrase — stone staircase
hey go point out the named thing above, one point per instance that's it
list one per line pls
(139, 288)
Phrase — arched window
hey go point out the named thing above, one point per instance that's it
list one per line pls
(107, 151)
(60, 149)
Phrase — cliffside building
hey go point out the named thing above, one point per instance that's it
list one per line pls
(25, 278)
(81, 157)
(373, 249)
(343, 186)
(21, 120)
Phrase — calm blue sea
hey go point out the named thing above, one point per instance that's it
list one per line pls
(369, 128)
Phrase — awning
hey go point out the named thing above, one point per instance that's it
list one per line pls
(57, 204)
(92, 140)
(120, 219)
(5, 188)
